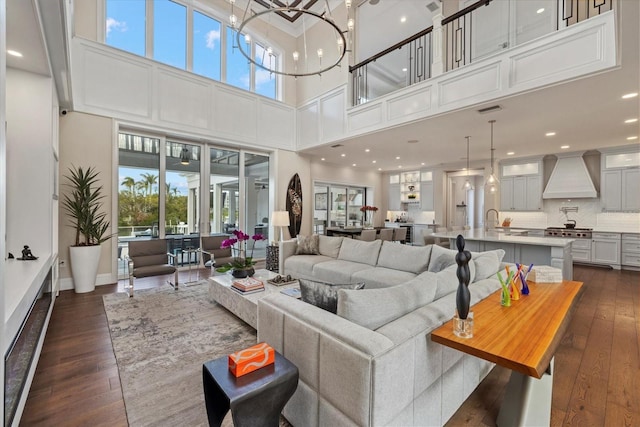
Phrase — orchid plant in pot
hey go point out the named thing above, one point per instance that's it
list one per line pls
(242, 265)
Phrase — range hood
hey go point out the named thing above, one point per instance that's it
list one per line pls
(570, 179)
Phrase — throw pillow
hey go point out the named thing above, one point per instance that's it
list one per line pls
(441, 258)
(308, 245)
(360, 251)
(324, 295)
(414, 259)
(330, 245)
(373, 308)
(487, 263)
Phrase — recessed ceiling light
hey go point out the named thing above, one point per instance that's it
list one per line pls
(397, 157)
(322, 159)
(353, 164)
(631, 138)
(564, 147)
(403, 19)
(540, 10)
(14, 53)
(630, 95)
(422, 163)
(373, 161)
(550, 134)
(511, 153)
(366, 150)
(379, 169)
(404, 70)
(631, 120)
(343, 155)
(399, 166)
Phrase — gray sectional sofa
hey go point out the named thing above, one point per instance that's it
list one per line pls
(373, 363)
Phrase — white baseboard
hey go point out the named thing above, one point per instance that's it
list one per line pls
(102, 279)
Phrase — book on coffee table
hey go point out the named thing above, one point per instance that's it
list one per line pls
(252, 291)
(292, 292)
(247, 284)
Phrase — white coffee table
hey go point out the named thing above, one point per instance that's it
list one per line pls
(243, 306)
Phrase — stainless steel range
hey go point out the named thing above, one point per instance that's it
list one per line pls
(574, 233)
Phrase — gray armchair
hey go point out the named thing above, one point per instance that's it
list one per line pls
(212, 254)
(150, 258)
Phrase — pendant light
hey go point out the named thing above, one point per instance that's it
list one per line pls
(467, 184)
(184, 155)
(492, 182)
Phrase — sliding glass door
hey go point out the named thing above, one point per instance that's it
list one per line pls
(168, 189)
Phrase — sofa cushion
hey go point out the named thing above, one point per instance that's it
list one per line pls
(337, 271)
(324, 295)
(373, 308)
(308, 245)
(380, 277)
(360, 251)
(441, 258)
(302, 265)
(330, 245)
(414, 259)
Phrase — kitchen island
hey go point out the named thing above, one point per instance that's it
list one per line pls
(523, 249)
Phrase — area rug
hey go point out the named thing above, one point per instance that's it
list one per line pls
(161, 338)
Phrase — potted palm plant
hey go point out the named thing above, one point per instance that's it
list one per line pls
(83, 205)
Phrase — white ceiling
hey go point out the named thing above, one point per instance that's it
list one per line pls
(24, 36)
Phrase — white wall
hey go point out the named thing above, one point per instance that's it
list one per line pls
(86, 141)
(29, 162)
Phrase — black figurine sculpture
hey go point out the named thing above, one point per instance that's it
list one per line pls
(27, 255)
(463, 296)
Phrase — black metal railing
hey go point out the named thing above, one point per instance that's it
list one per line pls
(574, 11)
(379, 74)
(401, 65)
(458, 36)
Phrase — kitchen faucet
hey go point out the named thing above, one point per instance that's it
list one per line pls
(486, 219)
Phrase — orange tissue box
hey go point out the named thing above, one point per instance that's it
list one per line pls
(248, 360)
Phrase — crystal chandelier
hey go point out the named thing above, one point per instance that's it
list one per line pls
(492, 182)
(316, 56)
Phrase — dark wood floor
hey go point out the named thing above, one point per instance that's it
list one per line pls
(597, 367)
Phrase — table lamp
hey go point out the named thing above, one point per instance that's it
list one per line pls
(280, 219)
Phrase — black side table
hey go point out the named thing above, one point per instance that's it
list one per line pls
(255, 399)
(273, 258)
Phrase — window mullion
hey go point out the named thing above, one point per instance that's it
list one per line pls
(149, 30)
(189, 38)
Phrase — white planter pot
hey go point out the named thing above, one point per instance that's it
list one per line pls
(84, 265)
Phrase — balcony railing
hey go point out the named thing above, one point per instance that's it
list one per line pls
(482, 29)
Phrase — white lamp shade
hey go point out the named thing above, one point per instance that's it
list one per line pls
(280, 218)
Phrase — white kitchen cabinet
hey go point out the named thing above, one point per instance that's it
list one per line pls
(394, 197)
(619, 180)
(394, 192)
(521, 186)
(426, 195)
(630, 249)
(605, 248)
(581, 250)
(410, 187)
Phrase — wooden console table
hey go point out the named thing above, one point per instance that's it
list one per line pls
(523, 338)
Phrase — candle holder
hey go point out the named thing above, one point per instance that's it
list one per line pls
(463, 328)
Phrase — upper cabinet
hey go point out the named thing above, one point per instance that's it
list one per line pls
(394, 192)
(521, 185)
(619, 179)
(426, 190)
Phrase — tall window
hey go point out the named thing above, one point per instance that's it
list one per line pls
(238, 68)
(264, 81)
(126, 28)
(206, 46)
(170, 33)
(125, 25)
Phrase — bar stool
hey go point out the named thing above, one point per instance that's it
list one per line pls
(400, 234)
(386, 234)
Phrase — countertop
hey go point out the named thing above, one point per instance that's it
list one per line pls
(505, 237)
(596, 229)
